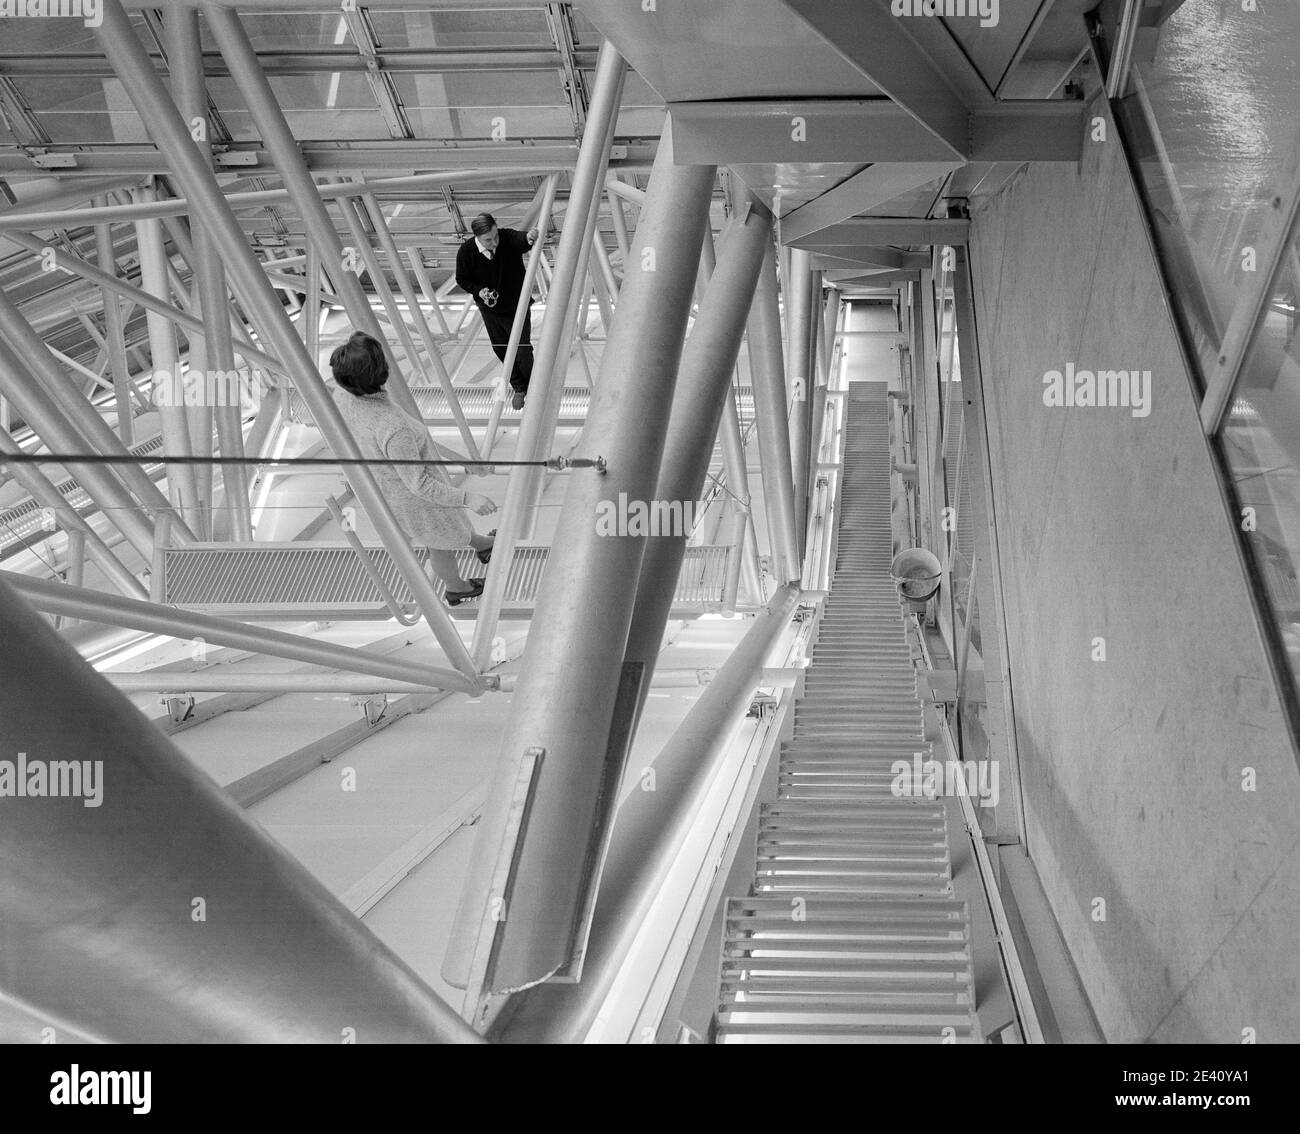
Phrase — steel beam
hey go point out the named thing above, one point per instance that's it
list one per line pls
(741, 131)
(545, 388)
(649, 831)
(875, 41)
(877, 231)
(261, 198)
(873, 187)
(168, 130)
(150, 910)
(581, 624)
(526, 158)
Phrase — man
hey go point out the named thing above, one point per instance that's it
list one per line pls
(490, 267)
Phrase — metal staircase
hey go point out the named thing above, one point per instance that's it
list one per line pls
(851, 933)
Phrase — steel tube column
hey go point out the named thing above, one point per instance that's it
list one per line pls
(703, 387)
(37, 409)
(233, 42)
(216, 344)
(544, 389)
(154, 618)
(398, 268)
(733, 458)
(160, 913)
(115, 339)
(141, 298)
(45, 494)
(181, 482)
(567, 693)
(649, 830)
(767, 372)
(521, 313)
(576, 319)
(801, 326)
(168, 131)
(39, 367)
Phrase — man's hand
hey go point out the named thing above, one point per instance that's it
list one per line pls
(479, 504)
(532, 237)
(484, 292)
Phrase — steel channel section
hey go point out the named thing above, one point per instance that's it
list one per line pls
(565, 698)
(649, 830)
(168, 130)
(101, 906)
(544, 388)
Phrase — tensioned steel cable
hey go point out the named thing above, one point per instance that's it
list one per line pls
(555, 464)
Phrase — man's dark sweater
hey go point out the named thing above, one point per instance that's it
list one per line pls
(504, 274)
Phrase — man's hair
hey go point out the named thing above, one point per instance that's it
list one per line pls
(359, 365)
(482, 224)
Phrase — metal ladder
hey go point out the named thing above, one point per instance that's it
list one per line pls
(851, 933)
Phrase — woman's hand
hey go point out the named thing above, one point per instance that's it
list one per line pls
(479, 504)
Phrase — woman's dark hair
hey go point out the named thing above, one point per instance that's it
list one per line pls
(359, 365)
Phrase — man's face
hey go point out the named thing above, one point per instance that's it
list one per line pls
(489, 239)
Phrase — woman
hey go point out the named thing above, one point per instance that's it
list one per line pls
(427, 507)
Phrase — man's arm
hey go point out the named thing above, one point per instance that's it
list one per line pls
(519, 241)
(464, 278)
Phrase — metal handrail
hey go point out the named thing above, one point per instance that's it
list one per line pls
(403, 616)
(1013, 970)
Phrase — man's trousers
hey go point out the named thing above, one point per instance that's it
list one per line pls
(498, 320)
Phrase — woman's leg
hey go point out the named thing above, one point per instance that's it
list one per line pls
(480, 542)
(444, 566)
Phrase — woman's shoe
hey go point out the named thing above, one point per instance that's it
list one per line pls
(455, 598)
(485, 556)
